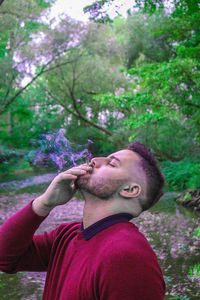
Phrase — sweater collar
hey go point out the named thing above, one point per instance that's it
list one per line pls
(104, 223)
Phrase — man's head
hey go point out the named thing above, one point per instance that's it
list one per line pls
(154, 178)
(130, 176)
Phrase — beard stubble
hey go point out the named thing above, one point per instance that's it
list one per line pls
(101, 187)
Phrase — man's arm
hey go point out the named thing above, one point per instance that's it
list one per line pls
(20, 250)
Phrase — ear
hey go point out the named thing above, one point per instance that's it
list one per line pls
(131, 190)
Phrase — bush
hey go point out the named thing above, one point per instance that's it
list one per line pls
(10, 159)
(183, 174)
(7, 154)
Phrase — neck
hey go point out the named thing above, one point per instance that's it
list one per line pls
(96, 209)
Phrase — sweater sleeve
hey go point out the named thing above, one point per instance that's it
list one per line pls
(131, 276)
(20, 250)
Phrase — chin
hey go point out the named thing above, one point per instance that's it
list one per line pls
(81, 182)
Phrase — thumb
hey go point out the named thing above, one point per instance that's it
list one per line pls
(73, 186)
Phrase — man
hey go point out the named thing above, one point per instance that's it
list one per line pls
(105, 257)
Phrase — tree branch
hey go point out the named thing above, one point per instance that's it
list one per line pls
(86, 120)
(42, 71)
(90, 93)
(77, 114)
(83, 118)
(9, 88)
(9, 12)
(58, 100)
(193, 104)
(1, 1)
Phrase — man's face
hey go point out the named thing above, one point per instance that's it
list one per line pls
(109, 174)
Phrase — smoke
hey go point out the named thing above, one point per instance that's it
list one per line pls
(56, 151)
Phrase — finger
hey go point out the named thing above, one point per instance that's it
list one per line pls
(86, 167)
(76, 172)
(67, 176)
(73, 187)
(83, 167)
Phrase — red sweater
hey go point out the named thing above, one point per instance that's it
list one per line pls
(109, 260)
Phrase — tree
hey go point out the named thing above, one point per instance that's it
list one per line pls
(17, 27)
(97, 11)
(140, 41)
(26, 54)
(20, 52)
(67, 64)
(93, 70)
(166, 93)
(164, 76)
(181, 24)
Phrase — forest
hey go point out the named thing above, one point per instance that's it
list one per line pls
(109, 80)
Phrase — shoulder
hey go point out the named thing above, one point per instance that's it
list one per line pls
(124, 241)
(126, 234)
(128, 251)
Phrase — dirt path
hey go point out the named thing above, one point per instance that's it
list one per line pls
(171, 236)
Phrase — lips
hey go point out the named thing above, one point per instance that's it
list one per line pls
(90, 171)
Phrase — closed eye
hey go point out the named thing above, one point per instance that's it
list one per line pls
(115, 160)
(110, 163)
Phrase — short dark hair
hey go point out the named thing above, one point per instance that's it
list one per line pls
(154, 177)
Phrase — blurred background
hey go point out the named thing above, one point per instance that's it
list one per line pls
(111, 72)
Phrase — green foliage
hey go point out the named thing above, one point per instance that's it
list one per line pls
(169, 84)
(14, 166)
(28, 118)
(178, 297)
(183, 174)
(102, 146)
(142, 41)
(195, 272)
(97, 12)
(17, 29)
(92, 69)
(178, 23)
(12, 160)
(165, 98)
(6, 154)
(187, 196)
(181, 25)
(197, 232)
(88, 90)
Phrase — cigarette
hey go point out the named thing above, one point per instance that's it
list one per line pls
(87, 160)
(90, 150)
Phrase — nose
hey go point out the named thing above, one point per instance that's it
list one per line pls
(97, 162)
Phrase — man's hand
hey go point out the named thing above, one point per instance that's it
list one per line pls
(60, 191)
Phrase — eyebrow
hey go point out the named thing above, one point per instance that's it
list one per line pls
(114, 157)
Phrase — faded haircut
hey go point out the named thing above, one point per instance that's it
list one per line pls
(154, 177)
